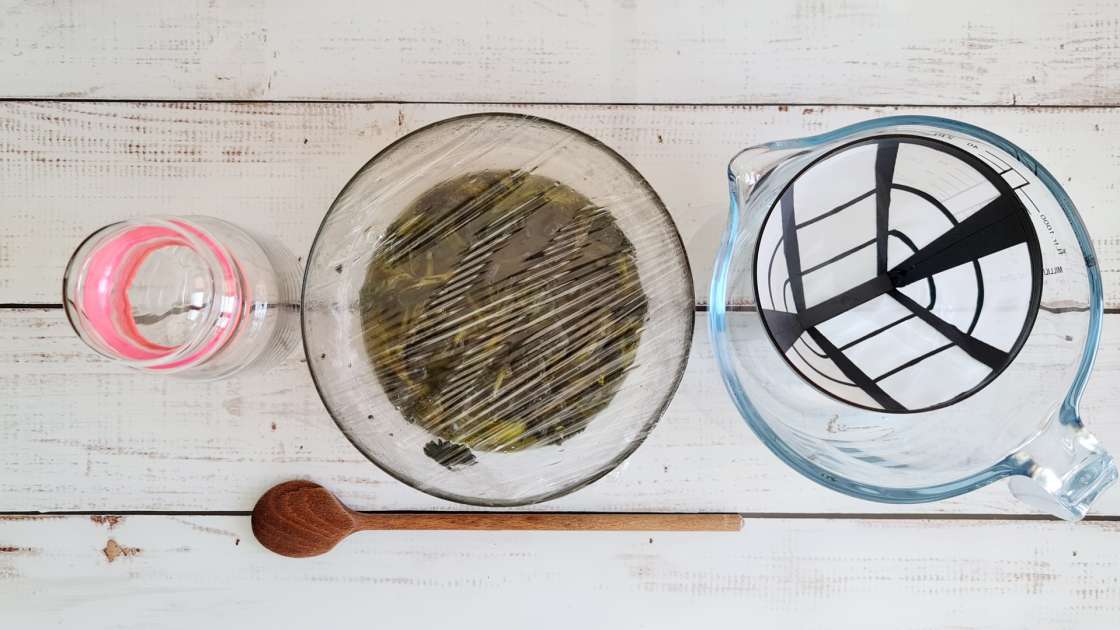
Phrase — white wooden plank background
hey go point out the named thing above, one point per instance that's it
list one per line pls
(79, 434)
(621, 51)
(206, 571)
(69, 168)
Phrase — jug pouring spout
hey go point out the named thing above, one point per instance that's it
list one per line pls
(1063, 470)
(750, 167)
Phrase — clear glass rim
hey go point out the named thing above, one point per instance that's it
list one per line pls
(717, 321)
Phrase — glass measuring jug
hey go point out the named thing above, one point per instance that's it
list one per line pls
(908, 309)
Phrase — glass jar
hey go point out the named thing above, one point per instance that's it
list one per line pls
(192, 296)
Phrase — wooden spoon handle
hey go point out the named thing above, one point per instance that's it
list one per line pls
(550, 521)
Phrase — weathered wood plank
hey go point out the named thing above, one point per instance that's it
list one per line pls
(68, 168)
(77, 433)
(866, 51)
(186, 572)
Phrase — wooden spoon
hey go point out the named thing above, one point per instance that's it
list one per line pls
(300, 519)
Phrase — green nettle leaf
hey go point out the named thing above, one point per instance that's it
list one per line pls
(501, 311)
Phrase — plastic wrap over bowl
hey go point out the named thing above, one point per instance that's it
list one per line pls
(497, 309)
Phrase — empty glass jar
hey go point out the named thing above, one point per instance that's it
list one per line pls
(190, 296)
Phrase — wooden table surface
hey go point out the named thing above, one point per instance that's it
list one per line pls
(258, 112)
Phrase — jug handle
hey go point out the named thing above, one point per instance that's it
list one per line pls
(1063, 469)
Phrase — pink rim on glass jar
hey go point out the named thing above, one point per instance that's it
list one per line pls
(191, 296)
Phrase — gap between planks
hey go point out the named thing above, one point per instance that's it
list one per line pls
(553, 103)
(836, 516)
(700, 308)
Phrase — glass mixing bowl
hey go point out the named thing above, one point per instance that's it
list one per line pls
(497, 309)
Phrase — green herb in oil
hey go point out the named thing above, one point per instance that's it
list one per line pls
(501, 311)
